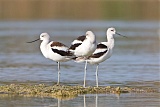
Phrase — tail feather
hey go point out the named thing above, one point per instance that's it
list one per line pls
(79, 59)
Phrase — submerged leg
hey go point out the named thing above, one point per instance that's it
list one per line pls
(85, 70)
(97, 75)
(58, 73)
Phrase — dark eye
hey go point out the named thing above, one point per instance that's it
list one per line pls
(42, 36)
(112, 30)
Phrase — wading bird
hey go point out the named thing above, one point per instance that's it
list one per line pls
(55, 51)
(84, 46)
(103, 51)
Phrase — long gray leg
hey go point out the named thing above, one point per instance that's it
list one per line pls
(85, 70)
(97, 75)
(58, 73)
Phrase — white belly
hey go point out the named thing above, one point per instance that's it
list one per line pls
(48, 53)
(86, 49)
(100, 59)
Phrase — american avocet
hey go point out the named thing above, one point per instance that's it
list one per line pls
(55, 51)
(84, 46)
(103, 51)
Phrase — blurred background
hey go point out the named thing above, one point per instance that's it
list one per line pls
(135, 61)
(79, 10)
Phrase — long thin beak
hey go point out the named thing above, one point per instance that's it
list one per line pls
(34, 40)
(121, 35)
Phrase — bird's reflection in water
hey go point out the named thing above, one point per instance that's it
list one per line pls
(96, 100)
(118, 96)
(62, 98)
(85, 99)
(59, 102)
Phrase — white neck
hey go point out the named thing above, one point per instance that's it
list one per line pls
(110, 39)
(92, 39)
(43, 47)
(46, 41)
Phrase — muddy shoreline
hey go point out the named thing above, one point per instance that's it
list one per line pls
(42, 90)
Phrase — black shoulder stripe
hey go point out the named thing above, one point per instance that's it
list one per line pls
(101, 46)
(81, 38)
(97, 55)
(73, 47)
(61, 52)
(57, 44)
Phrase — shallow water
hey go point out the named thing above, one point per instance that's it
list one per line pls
(89, 100)
(134, 63)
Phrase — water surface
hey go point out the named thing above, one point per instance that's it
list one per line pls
(134, 63)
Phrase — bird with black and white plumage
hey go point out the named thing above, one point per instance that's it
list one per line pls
(84, 46)
(103, 51)
(53, 50)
